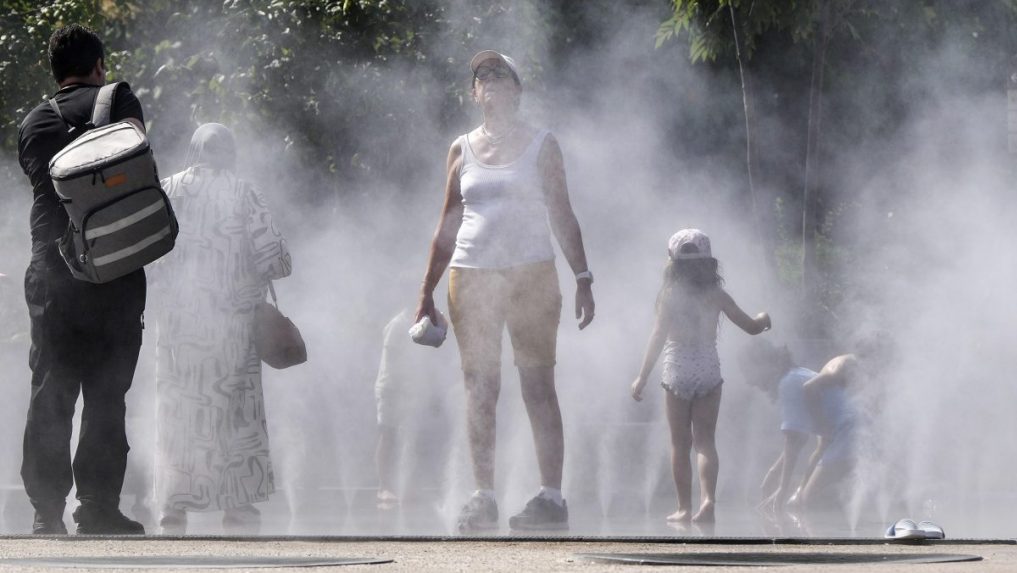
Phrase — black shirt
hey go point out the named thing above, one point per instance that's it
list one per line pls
(42, 135)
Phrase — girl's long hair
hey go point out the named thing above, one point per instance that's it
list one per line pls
(692, 277)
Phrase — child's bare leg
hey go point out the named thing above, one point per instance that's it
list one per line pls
(679, 419)
(704, 430)
(385, 457)
(822, 482)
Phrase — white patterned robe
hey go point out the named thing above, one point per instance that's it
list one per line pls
(212, 434)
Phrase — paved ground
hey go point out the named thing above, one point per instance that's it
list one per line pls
(513, 555)
(414, 537)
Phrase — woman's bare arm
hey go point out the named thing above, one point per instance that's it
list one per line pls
(565, 225)
(443, 243)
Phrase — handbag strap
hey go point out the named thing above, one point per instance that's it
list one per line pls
(271, 291)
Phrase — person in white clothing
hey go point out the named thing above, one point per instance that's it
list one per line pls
(411, 394)
(506, 182)
(213, 443)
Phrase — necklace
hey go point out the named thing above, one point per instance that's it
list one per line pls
(497, 139)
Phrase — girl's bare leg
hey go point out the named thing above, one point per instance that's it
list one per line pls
(679, 419)
(704, 430)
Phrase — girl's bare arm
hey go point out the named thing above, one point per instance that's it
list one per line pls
(657, 339)
(751, 325)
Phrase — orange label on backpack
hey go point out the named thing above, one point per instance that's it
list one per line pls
(118, 179)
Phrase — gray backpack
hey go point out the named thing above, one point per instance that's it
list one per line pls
(106, 179)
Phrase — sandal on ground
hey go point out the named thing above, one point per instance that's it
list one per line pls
(931, 530)
(904, 529)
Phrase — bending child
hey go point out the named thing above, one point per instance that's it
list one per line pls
(688, 313)
(811, 404)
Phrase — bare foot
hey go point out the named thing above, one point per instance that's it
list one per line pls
(387, 500)
(705, 513)
(680, 515)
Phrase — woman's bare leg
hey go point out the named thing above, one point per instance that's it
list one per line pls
(679, 419)
(541, 401)
(482, 391)
(704, 431)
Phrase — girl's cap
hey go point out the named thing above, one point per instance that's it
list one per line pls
(689, 236)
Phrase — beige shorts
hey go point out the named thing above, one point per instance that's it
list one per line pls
(482, 302)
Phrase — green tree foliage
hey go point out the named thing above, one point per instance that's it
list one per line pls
(25, 27)
(707, 24)
(307, 77)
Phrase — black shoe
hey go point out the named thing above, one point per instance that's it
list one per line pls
(173, 522)
(480, 513)
(541, 513)
(49, 520)
(97, 519)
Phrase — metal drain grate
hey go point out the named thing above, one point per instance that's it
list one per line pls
(770, 559)
(189, 562)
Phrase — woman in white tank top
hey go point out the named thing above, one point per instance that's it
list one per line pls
(505, 195)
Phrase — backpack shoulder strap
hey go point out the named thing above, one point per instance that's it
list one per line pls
(56, 109)
(103, 106)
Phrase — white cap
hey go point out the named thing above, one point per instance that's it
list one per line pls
(485, 55)
(689, 236)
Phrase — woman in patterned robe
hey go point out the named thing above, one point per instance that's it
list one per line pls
(212, 434)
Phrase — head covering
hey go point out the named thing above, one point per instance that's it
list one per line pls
(485, 55)
(212, 145)
(685, 237)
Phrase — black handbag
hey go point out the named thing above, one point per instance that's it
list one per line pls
(276, 339)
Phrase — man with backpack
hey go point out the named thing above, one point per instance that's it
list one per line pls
(85, 336)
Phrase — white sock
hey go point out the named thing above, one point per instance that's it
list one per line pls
(551, 494)
(488, 493)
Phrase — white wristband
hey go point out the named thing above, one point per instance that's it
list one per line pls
(585, 275)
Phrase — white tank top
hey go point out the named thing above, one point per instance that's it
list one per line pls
(504, 211)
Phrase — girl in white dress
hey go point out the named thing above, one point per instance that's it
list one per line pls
(688, 311)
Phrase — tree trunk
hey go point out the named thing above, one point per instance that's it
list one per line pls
(811, 191)
(746, 106)
(757, 203)
(1011, 117)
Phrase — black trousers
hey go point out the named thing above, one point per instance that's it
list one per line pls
(85, 340)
